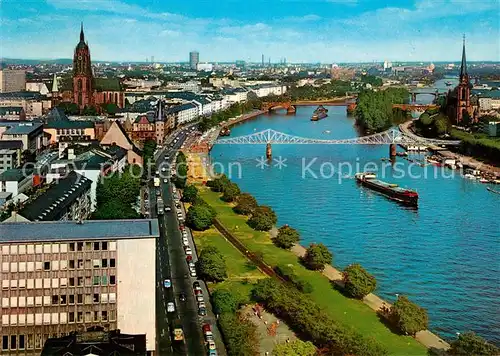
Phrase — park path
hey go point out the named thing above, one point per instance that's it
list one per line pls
(425, 337)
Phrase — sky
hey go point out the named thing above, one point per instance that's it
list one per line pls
(326, 31)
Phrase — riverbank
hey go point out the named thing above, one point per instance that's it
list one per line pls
(467, 161)
(348, 311)
(342, 101)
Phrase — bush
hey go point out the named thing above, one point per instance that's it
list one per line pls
(305, 317)
(231, 192)
(224, 301)
(470, 344)
(408, 317)
(246, 204)
(358, 282)
(295, 348)
(263, 218)
(287, 237)
(200, 217)
(288, 274)
(317, 255)
(190, 194)
(211, 265)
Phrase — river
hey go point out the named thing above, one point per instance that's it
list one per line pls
(444, 255)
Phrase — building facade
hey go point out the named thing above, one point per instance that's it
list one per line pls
(60, 277)
(194, 59)
(12, 80)
(12, 113)
(28, 132)
(9, 159)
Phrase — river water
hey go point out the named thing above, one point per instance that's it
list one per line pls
(443, 255)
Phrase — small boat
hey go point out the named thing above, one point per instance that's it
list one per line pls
(319, 113)
(492, 190)
(327, 131)
(469, 176)
(448, 83)
(483, 180)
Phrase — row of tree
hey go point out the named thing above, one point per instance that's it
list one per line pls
(374, 110)
(309, 320)
(321, 90)
(240, 334)
(433, 123)
(180, 177)
(116, 193)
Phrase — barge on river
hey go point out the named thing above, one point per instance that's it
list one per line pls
(319, 113)
(392, 191)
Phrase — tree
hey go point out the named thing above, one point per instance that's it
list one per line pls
(425, 119)
(212, 265)
(89, 111)
(231, 192)
(219, 184)
(295, 348)
(199, 217)
(287, 237)
(240, 335)
(110, 108)
(190, 194)
(408, 317)
(470, 344)
(358, 282)
(263, 218)
(224, 301)
(246, 204)
(69, 108)
(317, 255)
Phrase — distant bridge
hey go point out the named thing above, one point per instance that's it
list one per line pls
(415, 107)
(287, 105)
(269, 136)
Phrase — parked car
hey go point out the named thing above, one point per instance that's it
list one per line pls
(192, 265)
(170, 307)
(165, 180)
(201, 305)
(189, 258)
(188, 250)
(167, 283)
(211, 345)
(182, 297)
(196, 285)
(181, 227)
(192, 273)
(202, 311)
(212, 352)
(185, 241)
(167, 209)
(198, 292)
(184, 234)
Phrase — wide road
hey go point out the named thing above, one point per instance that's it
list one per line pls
(171, 264)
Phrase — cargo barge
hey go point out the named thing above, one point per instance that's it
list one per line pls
(225, 131)
(319, 113)
(392, 191)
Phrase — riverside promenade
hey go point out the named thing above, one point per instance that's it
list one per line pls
(466, 160)
(425, 337)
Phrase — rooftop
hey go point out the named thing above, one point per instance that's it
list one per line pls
(4, 110)
(14, 175)
(107, 84)
(21, 128)
(72, 230)
(59, 196)
(11, 144)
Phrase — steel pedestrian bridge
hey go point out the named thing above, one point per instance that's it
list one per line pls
(272, 137)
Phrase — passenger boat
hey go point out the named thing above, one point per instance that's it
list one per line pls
(319, 113)
(392, 191)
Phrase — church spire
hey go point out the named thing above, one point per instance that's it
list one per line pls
(82, 36)
(55, 88)
(463, 67)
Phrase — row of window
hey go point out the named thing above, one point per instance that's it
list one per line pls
(46, 283)
(47, 300)
(57, 265)
(70, 131)
(56, 247)
(58, 318)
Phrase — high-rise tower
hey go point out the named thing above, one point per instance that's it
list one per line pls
(82, 74)
(194, 59)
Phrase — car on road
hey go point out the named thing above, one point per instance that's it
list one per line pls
(163, 169)
(188, 250)
(211, 345)
(184, 234)
(170, 307)
(182, 297)
(185, 241)
(167, 283)
(165, 180)
(201, 305)
(192, 272)
(212, 352)
(167, 209)
(181, 227)
(202, 311)
(189, 258)
(157, 173)
(192, 265)
(196, 285)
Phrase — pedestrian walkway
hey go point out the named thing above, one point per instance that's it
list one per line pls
(425, 337)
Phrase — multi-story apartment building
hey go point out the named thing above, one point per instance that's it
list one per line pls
(34, 104)
(60, 277)
(12, 80)
(12, 113)
(16, 181)
(67, 199)
(9, 159)
(29, 133)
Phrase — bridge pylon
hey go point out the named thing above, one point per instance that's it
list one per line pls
(269, 151)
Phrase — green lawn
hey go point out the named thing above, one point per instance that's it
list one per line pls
(242, 274)
(349, 311)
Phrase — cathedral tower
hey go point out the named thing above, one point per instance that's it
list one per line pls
(463, 90)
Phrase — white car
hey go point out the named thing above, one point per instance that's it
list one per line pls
(184, 234)
(188, 251)
(165, 180)
(185, 242)
(170, 307)
(163, 169)
(199, 298)
(167, 209)
(192, 273)
(192, 265)
(201, 305)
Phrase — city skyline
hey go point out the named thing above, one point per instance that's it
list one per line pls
(330, 31)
